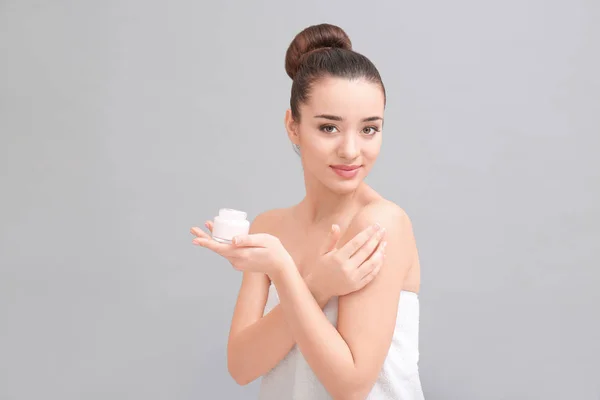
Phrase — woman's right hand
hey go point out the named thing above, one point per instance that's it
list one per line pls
(337, 272)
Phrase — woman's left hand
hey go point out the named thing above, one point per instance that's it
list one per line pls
(258, 252)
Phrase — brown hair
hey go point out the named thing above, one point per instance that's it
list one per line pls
(324, 50)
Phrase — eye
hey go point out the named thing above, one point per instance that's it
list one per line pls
(370, 130)
(328, 128)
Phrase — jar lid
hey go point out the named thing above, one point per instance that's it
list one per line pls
(229, 213)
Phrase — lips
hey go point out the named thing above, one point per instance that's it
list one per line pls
(346, 171)
(346, 167)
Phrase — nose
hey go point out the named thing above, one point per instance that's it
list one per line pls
(348, 148)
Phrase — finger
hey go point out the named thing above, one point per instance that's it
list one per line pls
(332, 238)
(372, 263)
(357, 242)
(371, 275)
(372, 269)
(209, 225)
(367, 249)
(211, 244)
(199, 233)
(253, 240)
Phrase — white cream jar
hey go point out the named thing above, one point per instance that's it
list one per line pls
(228, 224)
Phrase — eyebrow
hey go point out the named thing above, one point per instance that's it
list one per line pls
(336, 118)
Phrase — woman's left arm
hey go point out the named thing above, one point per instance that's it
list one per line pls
(347, 360)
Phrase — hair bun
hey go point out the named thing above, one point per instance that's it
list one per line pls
(312, 39)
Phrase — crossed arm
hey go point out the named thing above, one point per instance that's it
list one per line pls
(350, 363)
(258, 343)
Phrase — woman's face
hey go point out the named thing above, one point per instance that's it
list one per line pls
(339, 132)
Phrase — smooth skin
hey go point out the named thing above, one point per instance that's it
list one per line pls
(258, 343)
(341, 123)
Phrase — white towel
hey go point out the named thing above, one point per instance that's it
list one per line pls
(293, 378)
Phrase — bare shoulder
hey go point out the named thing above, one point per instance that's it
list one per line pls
(384, 212)
(268, 221)
(398, 226)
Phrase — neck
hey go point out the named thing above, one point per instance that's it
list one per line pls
(321, 206)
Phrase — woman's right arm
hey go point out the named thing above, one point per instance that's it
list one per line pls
(256, 344)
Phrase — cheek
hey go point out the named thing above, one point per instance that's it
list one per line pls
(314, 146)
(371, 150)
(315, 155)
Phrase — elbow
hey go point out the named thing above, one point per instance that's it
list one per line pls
(238, 376)
(356, 389)
(240, 379)
(236, 371)
(351, 394)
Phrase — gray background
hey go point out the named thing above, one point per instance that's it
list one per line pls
(123, 123)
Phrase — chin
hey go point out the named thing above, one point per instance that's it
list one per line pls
(344, 187)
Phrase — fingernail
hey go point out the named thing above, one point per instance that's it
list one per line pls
(377, 227)
(383, 244)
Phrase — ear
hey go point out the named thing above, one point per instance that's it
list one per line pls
(291, 127)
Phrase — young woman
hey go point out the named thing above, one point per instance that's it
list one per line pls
(328, 306)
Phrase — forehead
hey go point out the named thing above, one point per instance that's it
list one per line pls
(346, 97)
